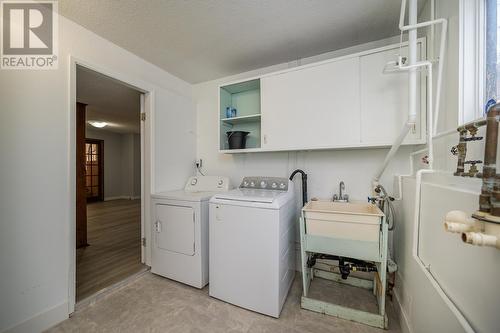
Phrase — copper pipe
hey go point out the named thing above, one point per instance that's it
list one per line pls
(495, 199)
(472, 126)
(462, 152)
(486, 200)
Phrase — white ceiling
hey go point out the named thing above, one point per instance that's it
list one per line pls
(108, 100)
(200, 40)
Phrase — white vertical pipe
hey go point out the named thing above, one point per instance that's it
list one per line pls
(412, 59)
(442, 52)
(430, 131)
(433, 28)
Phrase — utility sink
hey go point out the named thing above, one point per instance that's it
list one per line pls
(347, 220)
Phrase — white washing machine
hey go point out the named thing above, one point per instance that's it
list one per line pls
(180, 230)
(252, 244)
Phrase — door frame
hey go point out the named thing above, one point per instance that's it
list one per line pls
(100, 161)
(147, 163)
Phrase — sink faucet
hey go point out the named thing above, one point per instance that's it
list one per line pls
(341, 197)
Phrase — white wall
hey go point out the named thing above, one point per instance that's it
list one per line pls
(468, 274)
(122, 163)
(35, 163)
(173, 151)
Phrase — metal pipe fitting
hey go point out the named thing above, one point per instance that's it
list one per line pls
(458, 222)
(489, 168)
(462, 152)
(480, 239)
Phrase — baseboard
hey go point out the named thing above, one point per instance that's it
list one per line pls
(42, 321)
(401, 313)
(112, 198)
(122, 197)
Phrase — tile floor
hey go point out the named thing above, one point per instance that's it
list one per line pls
(155, 304)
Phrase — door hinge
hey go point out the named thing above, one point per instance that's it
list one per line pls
(143, 241)
(143, 116)
(157, 226)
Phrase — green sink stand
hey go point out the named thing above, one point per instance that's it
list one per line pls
(363, 250)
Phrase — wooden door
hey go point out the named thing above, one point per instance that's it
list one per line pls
(81, 199)
(94, 155)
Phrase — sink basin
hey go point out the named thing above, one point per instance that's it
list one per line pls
(357, 208)
(351, 220)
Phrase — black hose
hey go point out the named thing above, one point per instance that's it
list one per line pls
(346, 265)
(304, 184)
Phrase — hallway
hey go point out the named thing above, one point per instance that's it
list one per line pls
(114, 235)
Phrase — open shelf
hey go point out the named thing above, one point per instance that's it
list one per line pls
(242, 119)
(245, 98)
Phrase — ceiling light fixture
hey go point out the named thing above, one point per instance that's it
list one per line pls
(98, 124)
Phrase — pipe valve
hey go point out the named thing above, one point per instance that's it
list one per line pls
(473, 168)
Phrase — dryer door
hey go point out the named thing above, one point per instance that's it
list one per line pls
(175, 229)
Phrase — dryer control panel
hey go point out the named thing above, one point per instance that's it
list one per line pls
(265, 183)
(207, 184)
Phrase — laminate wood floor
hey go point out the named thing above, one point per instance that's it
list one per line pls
(114, 253)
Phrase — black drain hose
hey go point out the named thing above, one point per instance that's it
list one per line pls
(346, 265)
(304, 184)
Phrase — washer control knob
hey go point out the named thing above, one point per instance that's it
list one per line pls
(252, 184)
(263, 184)
(194, 181)
(220, 182)
(245, 183)
(282, 186)
(274, 185)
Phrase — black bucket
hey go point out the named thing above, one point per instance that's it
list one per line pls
(237, 139)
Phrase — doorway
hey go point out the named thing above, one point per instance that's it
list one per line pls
(109, 182)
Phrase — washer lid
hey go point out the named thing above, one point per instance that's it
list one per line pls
(250, 195)
(184, 195)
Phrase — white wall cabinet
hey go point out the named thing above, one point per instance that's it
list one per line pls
(346, 102)
(384, 99)
(313, 108)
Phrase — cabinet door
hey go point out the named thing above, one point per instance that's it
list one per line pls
(384, 99)
(313, 107)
